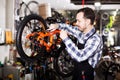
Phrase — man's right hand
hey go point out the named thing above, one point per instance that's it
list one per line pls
(53, 27)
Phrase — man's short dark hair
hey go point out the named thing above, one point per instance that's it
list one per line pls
(88, 13)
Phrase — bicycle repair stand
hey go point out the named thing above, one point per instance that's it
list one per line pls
(33, 71)
(28, 71)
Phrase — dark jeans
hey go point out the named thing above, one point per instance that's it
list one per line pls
(83, 71)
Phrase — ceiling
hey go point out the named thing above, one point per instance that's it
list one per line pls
(91, 2)
(77, 4)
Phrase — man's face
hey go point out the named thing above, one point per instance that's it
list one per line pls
(81, 21)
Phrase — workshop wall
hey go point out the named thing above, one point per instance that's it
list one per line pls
(6, 22)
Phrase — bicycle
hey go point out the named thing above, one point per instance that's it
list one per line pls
(109, 65)
(25, 9)
(32, 30)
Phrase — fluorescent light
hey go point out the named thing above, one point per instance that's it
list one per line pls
(97, 4)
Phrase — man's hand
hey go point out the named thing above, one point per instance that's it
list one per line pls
(63, 34)
(53, 27)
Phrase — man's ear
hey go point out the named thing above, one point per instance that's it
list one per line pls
(88, 21)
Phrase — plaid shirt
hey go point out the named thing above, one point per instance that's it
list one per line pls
(93, 46)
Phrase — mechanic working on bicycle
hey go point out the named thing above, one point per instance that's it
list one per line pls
(87, 52)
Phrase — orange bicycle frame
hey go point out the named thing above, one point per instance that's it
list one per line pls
(42, 35)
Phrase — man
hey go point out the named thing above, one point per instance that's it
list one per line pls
(88, 50)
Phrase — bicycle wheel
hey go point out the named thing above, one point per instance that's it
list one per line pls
(112, 72)
(63, 63)
(102, 66)
(27, 49)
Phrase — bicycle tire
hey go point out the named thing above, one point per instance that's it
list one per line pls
(63, 63)
(28, 9)
(30, 21)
